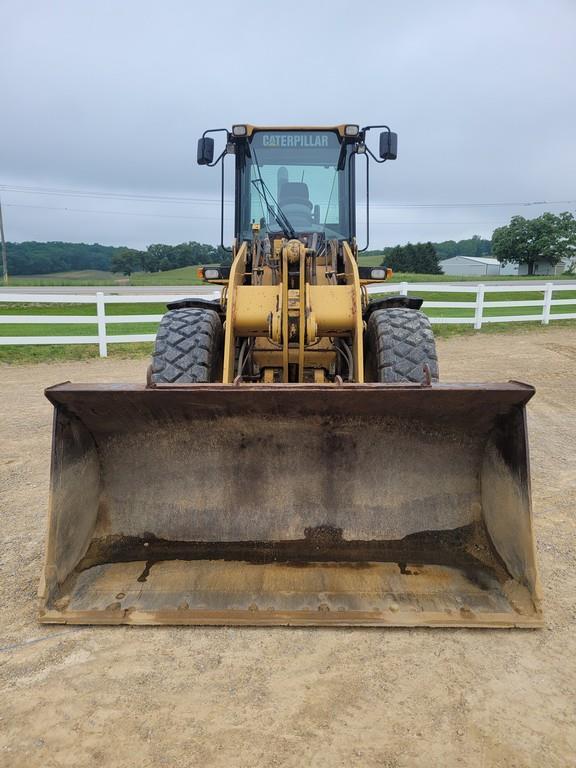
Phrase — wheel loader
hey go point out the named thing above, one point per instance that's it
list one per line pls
(292, 458)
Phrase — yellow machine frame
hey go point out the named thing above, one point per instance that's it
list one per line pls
(295, 321)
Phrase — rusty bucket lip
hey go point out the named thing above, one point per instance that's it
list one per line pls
(462, 406)
(524, 392)
(472, 406)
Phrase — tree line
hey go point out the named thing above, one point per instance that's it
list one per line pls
(420, 258)
(36, 258)
(549, 238)
(160, 257)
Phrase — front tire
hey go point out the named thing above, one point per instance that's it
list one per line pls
(399, 344)
(188, 348)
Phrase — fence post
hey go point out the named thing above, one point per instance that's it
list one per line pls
(549, 288)
(101, 315)
(479, 306)
(403, 289)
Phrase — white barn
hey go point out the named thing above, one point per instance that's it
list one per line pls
(471, 265)
(540, 268)
(485, 265)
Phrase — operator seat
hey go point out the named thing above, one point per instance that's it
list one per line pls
(294, 200)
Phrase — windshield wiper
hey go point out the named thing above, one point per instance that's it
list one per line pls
(278, 214)
(287, 228)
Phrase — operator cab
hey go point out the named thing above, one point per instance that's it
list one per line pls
(296, 183)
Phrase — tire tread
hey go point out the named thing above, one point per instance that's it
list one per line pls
(399, 343)
(188, 347)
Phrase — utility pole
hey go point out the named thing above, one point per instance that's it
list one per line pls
(4, 259)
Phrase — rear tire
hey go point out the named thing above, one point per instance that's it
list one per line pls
(188, 348)
(399, 344)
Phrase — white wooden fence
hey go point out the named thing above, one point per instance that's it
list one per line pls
(102, 320)
(479, 304)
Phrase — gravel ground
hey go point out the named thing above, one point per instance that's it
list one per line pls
(170, 696)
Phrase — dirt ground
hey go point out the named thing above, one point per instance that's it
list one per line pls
(130, 696)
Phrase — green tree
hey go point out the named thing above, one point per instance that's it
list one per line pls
(547, 238)
(429, 259)
(127, 260)
(152, 257)
(472, 246)
(394, 259)
(411, 258)
(418, 258)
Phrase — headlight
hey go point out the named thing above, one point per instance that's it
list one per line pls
(378, 274)
(211, 274)
(239, 130)
(351, 130)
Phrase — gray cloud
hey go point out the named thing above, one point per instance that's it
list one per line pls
(112, 96)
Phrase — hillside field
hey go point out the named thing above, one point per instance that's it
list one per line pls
(188, 276)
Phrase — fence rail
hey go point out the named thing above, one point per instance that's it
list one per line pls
(101, 320)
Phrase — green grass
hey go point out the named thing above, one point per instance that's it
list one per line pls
(492, 296)
(78, 274)
(45, 309)
(188, 276)
(149, 308)
(182, 276)
(374, 260)
(82, 277)
(455, 329)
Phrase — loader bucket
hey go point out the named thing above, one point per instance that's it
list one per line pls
(359, 504)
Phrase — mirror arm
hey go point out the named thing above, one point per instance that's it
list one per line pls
(214, 130)
(373, 156)
(221, 158)
(367, 202)
(367, 128)
(221, 155)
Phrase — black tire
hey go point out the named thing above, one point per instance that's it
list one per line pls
(188, 348)
(399, 343)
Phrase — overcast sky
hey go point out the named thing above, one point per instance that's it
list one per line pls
(110, 96)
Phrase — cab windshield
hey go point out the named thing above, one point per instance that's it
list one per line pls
(295, 182)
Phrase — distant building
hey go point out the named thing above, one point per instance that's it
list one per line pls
(471, 265)
(485, 265)
(540, 268)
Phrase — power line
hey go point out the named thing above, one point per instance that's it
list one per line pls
(180, 199)
(115, 213)
(215, 218)
(3, 241)
(110, 195)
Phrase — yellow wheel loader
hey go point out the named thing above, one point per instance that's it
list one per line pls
(292, 458)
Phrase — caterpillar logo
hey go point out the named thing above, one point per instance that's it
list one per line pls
(306, 140)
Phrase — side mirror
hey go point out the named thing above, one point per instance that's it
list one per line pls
(205, 151)
(388, 145)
